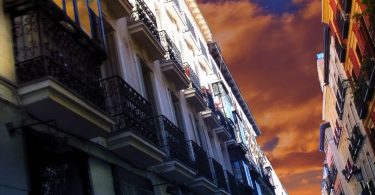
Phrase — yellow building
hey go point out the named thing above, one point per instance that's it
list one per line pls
(351, 42)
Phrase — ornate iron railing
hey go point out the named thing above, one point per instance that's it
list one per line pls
(218, 171)
(172, 52)
(341, 88)
(348, 171)
(194, 79)
(360, 92)
(44, 48)
(131, 111)
(200, 160)
(332, 174)
(337, 134)
(232, 183)
(229, 126)
(356, 140)
(244, 189)
(173, 141)
(142, 13)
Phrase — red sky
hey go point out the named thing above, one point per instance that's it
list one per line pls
(271, 54)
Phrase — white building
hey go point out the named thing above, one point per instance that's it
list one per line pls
(135, 95)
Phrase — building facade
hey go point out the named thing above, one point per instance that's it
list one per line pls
(121, 97)
(345, 73)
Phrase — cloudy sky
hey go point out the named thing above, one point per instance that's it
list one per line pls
(270, 47)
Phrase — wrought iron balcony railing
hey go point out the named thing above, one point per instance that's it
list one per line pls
(337, 135)
(356, 140)
(341, 89)
(332, 174)
(232, 183)
(131, 111)
(173, 54)
(44, 48)
(194, 79)
(349, 170)
(339, 110)
(142, 13)
(340, 98)
(361, 90)
(200, 160)
(218, 171)
(244, 189)
(173, 141)
(230, 127)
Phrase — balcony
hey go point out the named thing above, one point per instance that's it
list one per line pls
(360, 93)
(356, 141)
(193, 94)
(190, 35)
(174, 11)
(135, 135)
(203, 183)
(368, 75)
(244, 189)
(232, 183)
(177, 167)
(332, 174)
(54, 82)
(226, 127)
(337, 134)
(340, 98)
(144, 30)
(348, 171)
(220, 180)
(171, 65)
(117, 8)
(342, 24)
(210, 115)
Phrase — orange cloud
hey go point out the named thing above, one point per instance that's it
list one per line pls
(272, 58)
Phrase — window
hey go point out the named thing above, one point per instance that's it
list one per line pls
(148, 90)
(177, 111)
(85, 13)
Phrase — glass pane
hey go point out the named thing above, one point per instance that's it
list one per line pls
(70, 9)
(93, 4)
(83, 14)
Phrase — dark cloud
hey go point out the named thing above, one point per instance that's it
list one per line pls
(272, 56)
(271, 144)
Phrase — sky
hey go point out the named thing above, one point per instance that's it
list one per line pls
(270, 47)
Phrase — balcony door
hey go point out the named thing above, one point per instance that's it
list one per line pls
(56, 168)
(147, 85)
(177, 111)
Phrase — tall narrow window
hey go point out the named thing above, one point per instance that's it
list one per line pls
(177, 111)
(147, 82)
